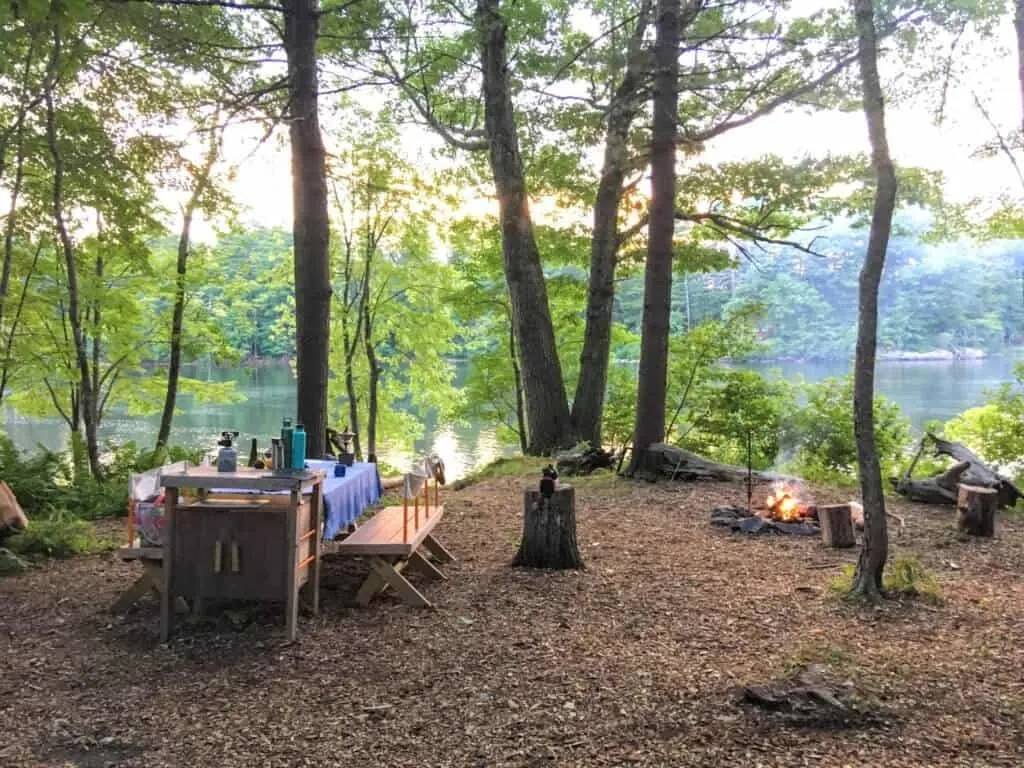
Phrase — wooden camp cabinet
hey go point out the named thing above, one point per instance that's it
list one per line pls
(244, 541)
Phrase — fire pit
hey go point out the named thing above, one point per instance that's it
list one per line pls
(784, 512)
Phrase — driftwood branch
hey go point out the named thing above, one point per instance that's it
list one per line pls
(943, 488)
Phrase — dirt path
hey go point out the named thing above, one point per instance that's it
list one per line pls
(630, 663)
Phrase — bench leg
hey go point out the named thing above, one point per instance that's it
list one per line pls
(418, 562)
(435, 548)
(370, 587)
(388, 575)
(133, 594)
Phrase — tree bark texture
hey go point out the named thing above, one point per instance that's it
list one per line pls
(547, 407)
(549, 531)
(311, 227)
(178, 314)
(588, 402)
(976, 510)
(651, 385)
(873, 555)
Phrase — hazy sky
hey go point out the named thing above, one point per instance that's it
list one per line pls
(263, 181)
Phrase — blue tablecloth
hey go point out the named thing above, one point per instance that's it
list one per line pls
(345, 498)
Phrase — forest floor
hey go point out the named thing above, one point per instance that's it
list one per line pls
(634, 662)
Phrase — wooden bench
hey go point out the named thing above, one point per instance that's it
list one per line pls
(394, 539)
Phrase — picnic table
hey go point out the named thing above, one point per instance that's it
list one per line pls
(346, 498)
(344, 501)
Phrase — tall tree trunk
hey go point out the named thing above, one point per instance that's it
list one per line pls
(547, 408)
(311, 227)
(1018, 24)
(353, 408)
(651, 386)
(588, 402)
(5, 273)
(870, 565)
(517, 382)
(202, 180)
(86, 394)
(374, 367)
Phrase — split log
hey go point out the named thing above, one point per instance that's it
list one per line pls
(549, 531)
(969, 470)
(663, 460)
(836, 522)
(976, 510)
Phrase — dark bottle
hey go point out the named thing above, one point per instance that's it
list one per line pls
(254, 454)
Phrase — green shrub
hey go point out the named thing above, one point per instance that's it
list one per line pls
(61, 535)
(904, 576)
(823, 436)
(46, 482)
(994, 430)
(32, 477)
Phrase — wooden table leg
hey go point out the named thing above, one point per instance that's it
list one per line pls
(166, 615)
(291, 577)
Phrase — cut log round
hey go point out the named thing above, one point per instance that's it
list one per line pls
(976, 510)
(549, 531)
(836, 522)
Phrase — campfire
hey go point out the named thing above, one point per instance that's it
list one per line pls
(784, 504)
(786, 510)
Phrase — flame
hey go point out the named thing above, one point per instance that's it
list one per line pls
(783, 505)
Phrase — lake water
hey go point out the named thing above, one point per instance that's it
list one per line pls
(924, 390)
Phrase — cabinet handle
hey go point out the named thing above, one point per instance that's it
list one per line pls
(234, 557)
(217, 552)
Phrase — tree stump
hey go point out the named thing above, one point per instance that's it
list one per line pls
(549, 531)
(836, 522)
(976, 510)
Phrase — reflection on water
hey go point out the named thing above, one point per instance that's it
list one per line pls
(924, 390)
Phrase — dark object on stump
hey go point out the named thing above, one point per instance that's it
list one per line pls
(836, 523)
(976, 510)
(943, 489)
(549, 530)
(547, 483)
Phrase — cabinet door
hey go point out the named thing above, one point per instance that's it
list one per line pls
(194, 572)
(255, 556)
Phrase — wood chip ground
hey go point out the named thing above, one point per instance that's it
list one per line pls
(633, 663)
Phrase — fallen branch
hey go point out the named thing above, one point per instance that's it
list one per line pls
(943, 488)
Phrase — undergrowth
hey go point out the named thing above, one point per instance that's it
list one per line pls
(904, 576)
(62, 535)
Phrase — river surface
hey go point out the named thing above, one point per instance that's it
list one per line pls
(924, 390)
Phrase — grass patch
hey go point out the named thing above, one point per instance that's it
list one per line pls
(832, 656)
(60, 536)
(517, 466)
(904, 576)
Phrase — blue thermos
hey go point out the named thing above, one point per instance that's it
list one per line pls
(299, 447)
